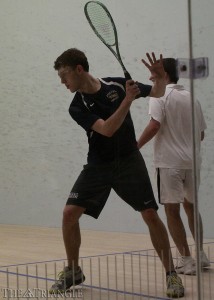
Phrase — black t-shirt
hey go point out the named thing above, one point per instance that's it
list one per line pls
(86, 109)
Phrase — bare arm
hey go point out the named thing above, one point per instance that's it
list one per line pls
(158, 75)
(148, 133)
(112, 124)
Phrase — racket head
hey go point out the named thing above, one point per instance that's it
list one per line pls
(104, 27)
(101, 22)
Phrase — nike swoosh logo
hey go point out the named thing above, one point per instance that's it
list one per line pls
(147, 202)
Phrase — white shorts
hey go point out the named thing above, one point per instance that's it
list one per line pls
(176, 184)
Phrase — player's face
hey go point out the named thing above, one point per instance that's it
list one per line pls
(69, 77)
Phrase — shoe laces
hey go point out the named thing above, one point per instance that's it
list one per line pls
(174, 280)
(61, 275)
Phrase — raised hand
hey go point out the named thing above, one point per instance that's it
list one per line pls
(155, 66)
(158, 74)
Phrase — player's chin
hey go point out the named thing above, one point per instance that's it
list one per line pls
(72, 90)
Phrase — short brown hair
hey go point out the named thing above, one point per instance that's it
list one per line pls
(72, 57)
(170, 67)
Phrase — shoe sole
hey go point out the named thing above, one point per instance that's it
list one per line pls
(179, 271)
(185, 271)
(175, 295)
(205, 265)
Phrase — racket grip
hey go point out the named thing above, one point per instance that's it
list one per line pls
(127, 75)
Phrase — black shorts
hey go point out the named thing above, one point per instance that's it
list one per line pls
(128, 177)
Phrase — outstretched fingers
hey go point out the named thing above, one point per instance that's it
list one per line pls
(152, 60)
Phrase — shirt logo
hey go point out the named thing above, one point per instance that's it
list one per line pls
(113, 95)
(73, 195)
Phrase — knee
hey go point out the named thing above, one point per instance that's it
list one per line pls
(172, 211)
(69, 215)
(150, 215)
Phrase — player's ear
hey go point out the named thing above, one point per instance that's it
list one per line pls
(79, 69)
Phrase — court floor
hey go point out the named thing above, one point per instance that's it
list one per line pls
(116, 265)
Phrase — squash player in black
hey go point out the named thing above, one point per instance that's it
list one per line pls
(102, 108)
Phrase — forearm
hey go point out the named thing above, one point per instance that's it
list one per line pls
(113, 123)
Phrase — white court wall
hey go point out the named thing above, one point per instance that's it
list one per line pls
(42, 150)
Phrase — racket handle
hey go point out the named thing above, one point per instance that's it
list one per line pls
(127, 75)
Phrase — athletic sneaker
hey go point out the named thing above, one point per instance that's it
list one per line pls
(186, 265)
(66, 280)
(175, 287)
(205, 263)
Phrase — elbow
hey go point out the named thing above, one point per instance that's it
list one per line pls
(110, 133)
(107, 133)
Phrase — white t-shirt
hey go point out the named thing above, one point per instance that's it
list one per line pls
(173, 142)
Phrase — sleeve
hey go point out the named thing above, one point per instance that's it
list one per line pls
(145, 89)
(81, 114)
(156, 109)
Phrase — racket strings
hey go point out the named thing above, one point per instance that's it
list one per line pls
(102, 23)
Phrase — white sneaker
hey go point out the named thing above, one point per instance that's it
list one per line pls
(205, 263)
(186, 265)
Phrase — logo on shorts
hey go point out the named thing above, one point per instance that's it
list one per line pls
(73, 195)
(147, 202)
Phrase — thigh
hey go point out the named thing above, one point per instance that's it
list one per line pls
(171, 185)
(91, 189)
(132, 183)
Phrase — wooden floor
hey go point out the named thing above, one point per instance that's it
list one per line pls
(117, 265)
